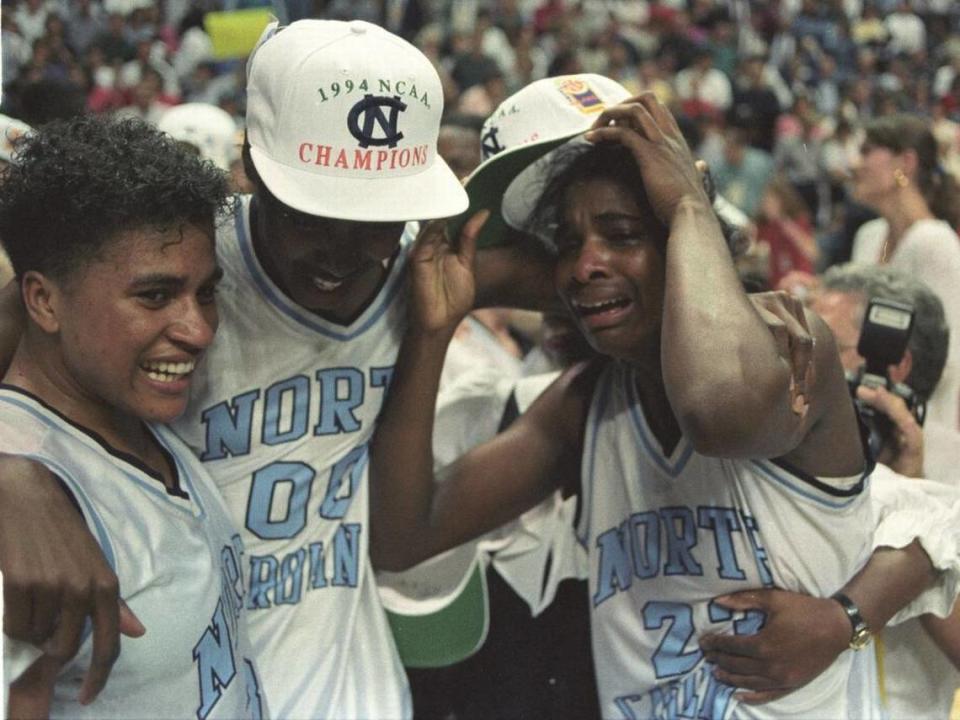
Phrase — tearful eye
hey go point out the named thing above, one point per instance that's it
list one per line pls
(154, 297)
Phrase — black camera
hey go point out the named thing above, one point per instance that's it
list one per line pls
(883, 340)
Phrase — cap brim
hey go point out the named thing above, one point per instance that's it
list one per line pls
(432, 193)
(488, 183)
(442, 626)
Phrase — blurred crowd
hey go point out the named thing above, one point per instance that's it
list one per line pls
(774, 93)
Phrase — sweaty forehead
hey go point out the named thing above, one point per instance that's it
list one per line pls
(600, 195)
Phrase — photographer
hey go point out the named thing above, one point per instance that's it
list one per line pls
(920, 669)
(932, 451)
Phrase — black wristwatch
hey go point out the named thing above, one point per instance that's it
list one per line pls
(860, 636)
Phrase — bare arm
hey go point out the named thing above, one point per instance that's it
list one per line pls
(55, 575)
(803, 635)
(945, 632)
(412, 518)
(735, 401)
(516, 275)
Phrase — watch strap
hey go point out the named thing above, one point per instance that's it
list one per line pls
(860, 632)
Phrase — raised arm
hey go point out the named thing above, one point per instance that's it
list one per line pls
(412, 517)
(727, 383)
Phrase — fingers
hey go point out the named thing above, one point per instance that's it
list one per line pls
(44, 615)
(468, 237)
(106, 639)
(762, 696)
(31, 695)
(130, 624)
(746, 600)
(890, 405)
(628, 116)
(748, 682)
(719, 646)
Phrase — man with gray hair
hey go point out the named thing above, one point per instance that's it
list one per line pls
(918, 677)
(934, 450)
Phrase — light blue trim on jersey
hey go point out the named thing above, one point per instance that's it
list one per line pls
(650, 443)
(93, 517)
(805, 490)
(152, 485)
(100, 530)
(298, 314)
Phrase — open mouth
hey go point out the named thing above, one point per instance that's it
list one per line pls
(604, 306)
(168, 372)
(325, 285)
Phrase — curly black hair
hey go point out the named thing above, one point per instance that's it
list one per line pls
(76, 183)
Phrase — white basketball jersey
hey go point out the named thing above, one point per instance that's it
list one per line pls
(179, 562)
(281, 418)
(666, 533)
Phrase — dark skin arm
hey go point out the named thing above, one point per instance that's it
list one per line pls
(55, 576)
(803, 635)
(741, 402)
(945, 632)
(411, 517)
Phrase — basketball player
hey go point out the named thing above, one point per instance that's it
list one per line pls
(110, 227)
(703, 466)
(342, 124)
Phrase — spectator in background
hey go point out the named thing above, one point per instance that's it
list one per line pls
(84, 23)
(785, 227)
(920, 680)
(755, 104)
(898, 175)
(742, 171)
(113, 40)
(796, 154)
(701, 88)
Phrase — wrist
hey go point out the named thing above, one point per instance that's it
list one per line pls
(858, 632)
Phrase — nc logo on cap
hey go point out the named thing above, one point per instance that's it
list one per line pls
(489, 144)
(371, 111)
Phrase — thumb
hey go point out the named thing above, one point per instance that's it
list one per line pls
(130, 624)
(467, 243)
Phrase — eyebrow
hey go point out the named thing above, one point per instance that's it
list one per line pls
(166, 280)
(611, 216)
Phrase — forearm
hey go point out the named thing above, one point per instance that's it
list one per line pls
(519, 275)
(720, 363)
(890, 580)
(401, 455)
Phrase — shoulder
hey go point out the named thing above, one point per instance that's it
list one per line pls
(933, 233)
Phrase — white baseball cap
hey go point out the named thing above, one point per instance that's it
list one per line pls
(526, 127)
(207, 127)
(342, 120)
(11, 130)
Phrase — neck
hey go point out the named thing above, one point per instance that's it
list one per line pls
(908, 207)
(37, 367)
(654, 403)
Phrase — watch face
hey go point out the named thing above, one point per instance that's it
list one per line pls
(860, 639)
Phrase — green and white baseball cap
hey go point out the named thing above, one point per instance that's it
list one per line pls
(342, 120)
(527, 126)
(438, 610)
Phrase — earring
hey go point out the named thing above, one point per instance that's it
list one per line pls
(900, 178)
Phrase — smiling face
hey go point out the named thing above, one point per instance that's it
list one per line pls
(133, 322)
(331, 267)
(610, 272)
